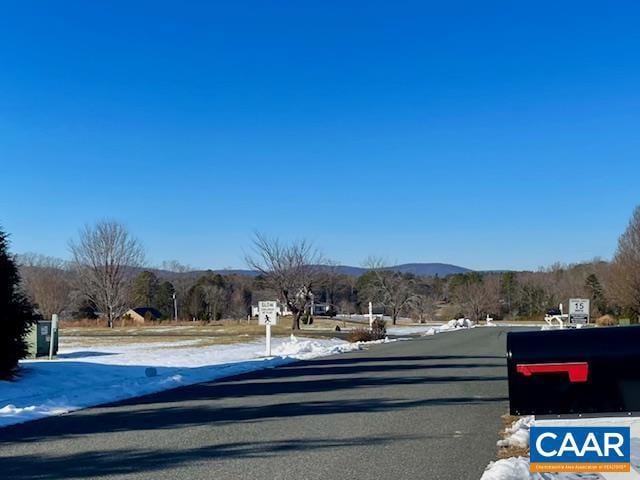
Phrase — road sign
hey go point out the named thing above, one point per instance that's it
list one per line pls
(267, 316)
(579, 310)
(267, 313)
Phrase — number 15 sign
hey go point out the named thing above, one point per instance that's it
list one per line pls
(579, 309)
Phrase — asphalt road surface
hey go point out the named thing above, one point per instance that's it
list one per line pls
(423, 409)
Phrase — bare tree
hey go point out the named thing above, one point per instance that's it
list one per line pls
(423, 306)
(182, 282)
(393, 290)
(289, 269)
(104, 257)
(345, 307)
(330, 280)
(624, 277)
(215, 297)
(47, 282)
(477, 295)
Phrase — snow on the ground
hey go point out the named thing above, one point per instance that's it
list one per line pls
(517, 435)
(456, 324)
(632, 422)
(517, 468)
(426, 330)
(86, 376)
(364, 318)
(409, 330)
(517, 324)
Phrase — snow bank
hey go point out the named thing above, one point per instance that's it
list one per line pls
(84, 377)
(546, 326)
(518, 433)
(450, 326)
(517, 324)
(517, 468)
(304, 349)
(632, 422)
(457, 324)
(410, 330)
(428, 330)
(514, 468)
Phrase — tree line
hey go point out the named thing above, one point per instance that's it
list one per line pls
(107, 275)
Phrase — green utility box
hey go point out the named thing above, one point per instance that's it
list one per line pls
(39, 337)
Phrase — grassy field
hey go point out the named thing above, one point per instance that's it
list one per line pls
(218, 333)
(225, 332)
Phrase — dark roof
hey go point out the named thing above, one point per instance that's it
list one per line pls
(142, 311)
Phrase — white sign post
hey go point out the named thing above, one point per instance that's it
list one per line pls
(370, 315)
(54, 331)
(579, 310)
(267, 316)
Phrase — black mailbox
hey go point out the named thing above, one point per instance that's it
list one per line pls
(574, 371)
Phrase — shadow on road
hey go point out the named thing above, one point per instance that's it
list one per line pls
(264, 396)
(339, 360)
(201, 404)
(121, 462)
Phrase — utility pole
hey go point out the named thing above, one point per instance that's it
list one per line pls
(311, 308)
(370, 315)
(175, 308)
(53, 332)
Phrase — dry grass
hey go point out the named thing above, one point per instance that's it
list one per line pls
(512, 452)
(360, 335)
(164, 341)
(181, 335)
(507, 452)
(218, 333)
(84, 323)
(88, 333)
(378, 332)
(606, 321)
(321, 323)
(100, 323)
(189, 328)
(164, 331)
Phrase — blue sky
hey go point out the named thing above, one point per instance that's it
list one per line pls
(485, 134)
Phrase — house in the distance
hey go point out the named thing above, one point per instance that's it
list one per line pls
(322, 309)
(140, 314)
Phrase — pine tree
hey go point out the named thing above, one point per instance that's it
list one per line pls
(145, 289)
(164, 299)
(596, 293)
(16, 313)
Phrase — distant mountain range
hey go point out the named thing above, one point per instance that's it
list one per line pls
(419, 269)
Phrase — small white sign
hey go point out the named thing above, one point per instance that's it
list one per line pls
(579, 310)
(267, 313)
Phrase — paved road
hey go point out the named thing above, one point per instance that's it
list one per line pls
(422, 409)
